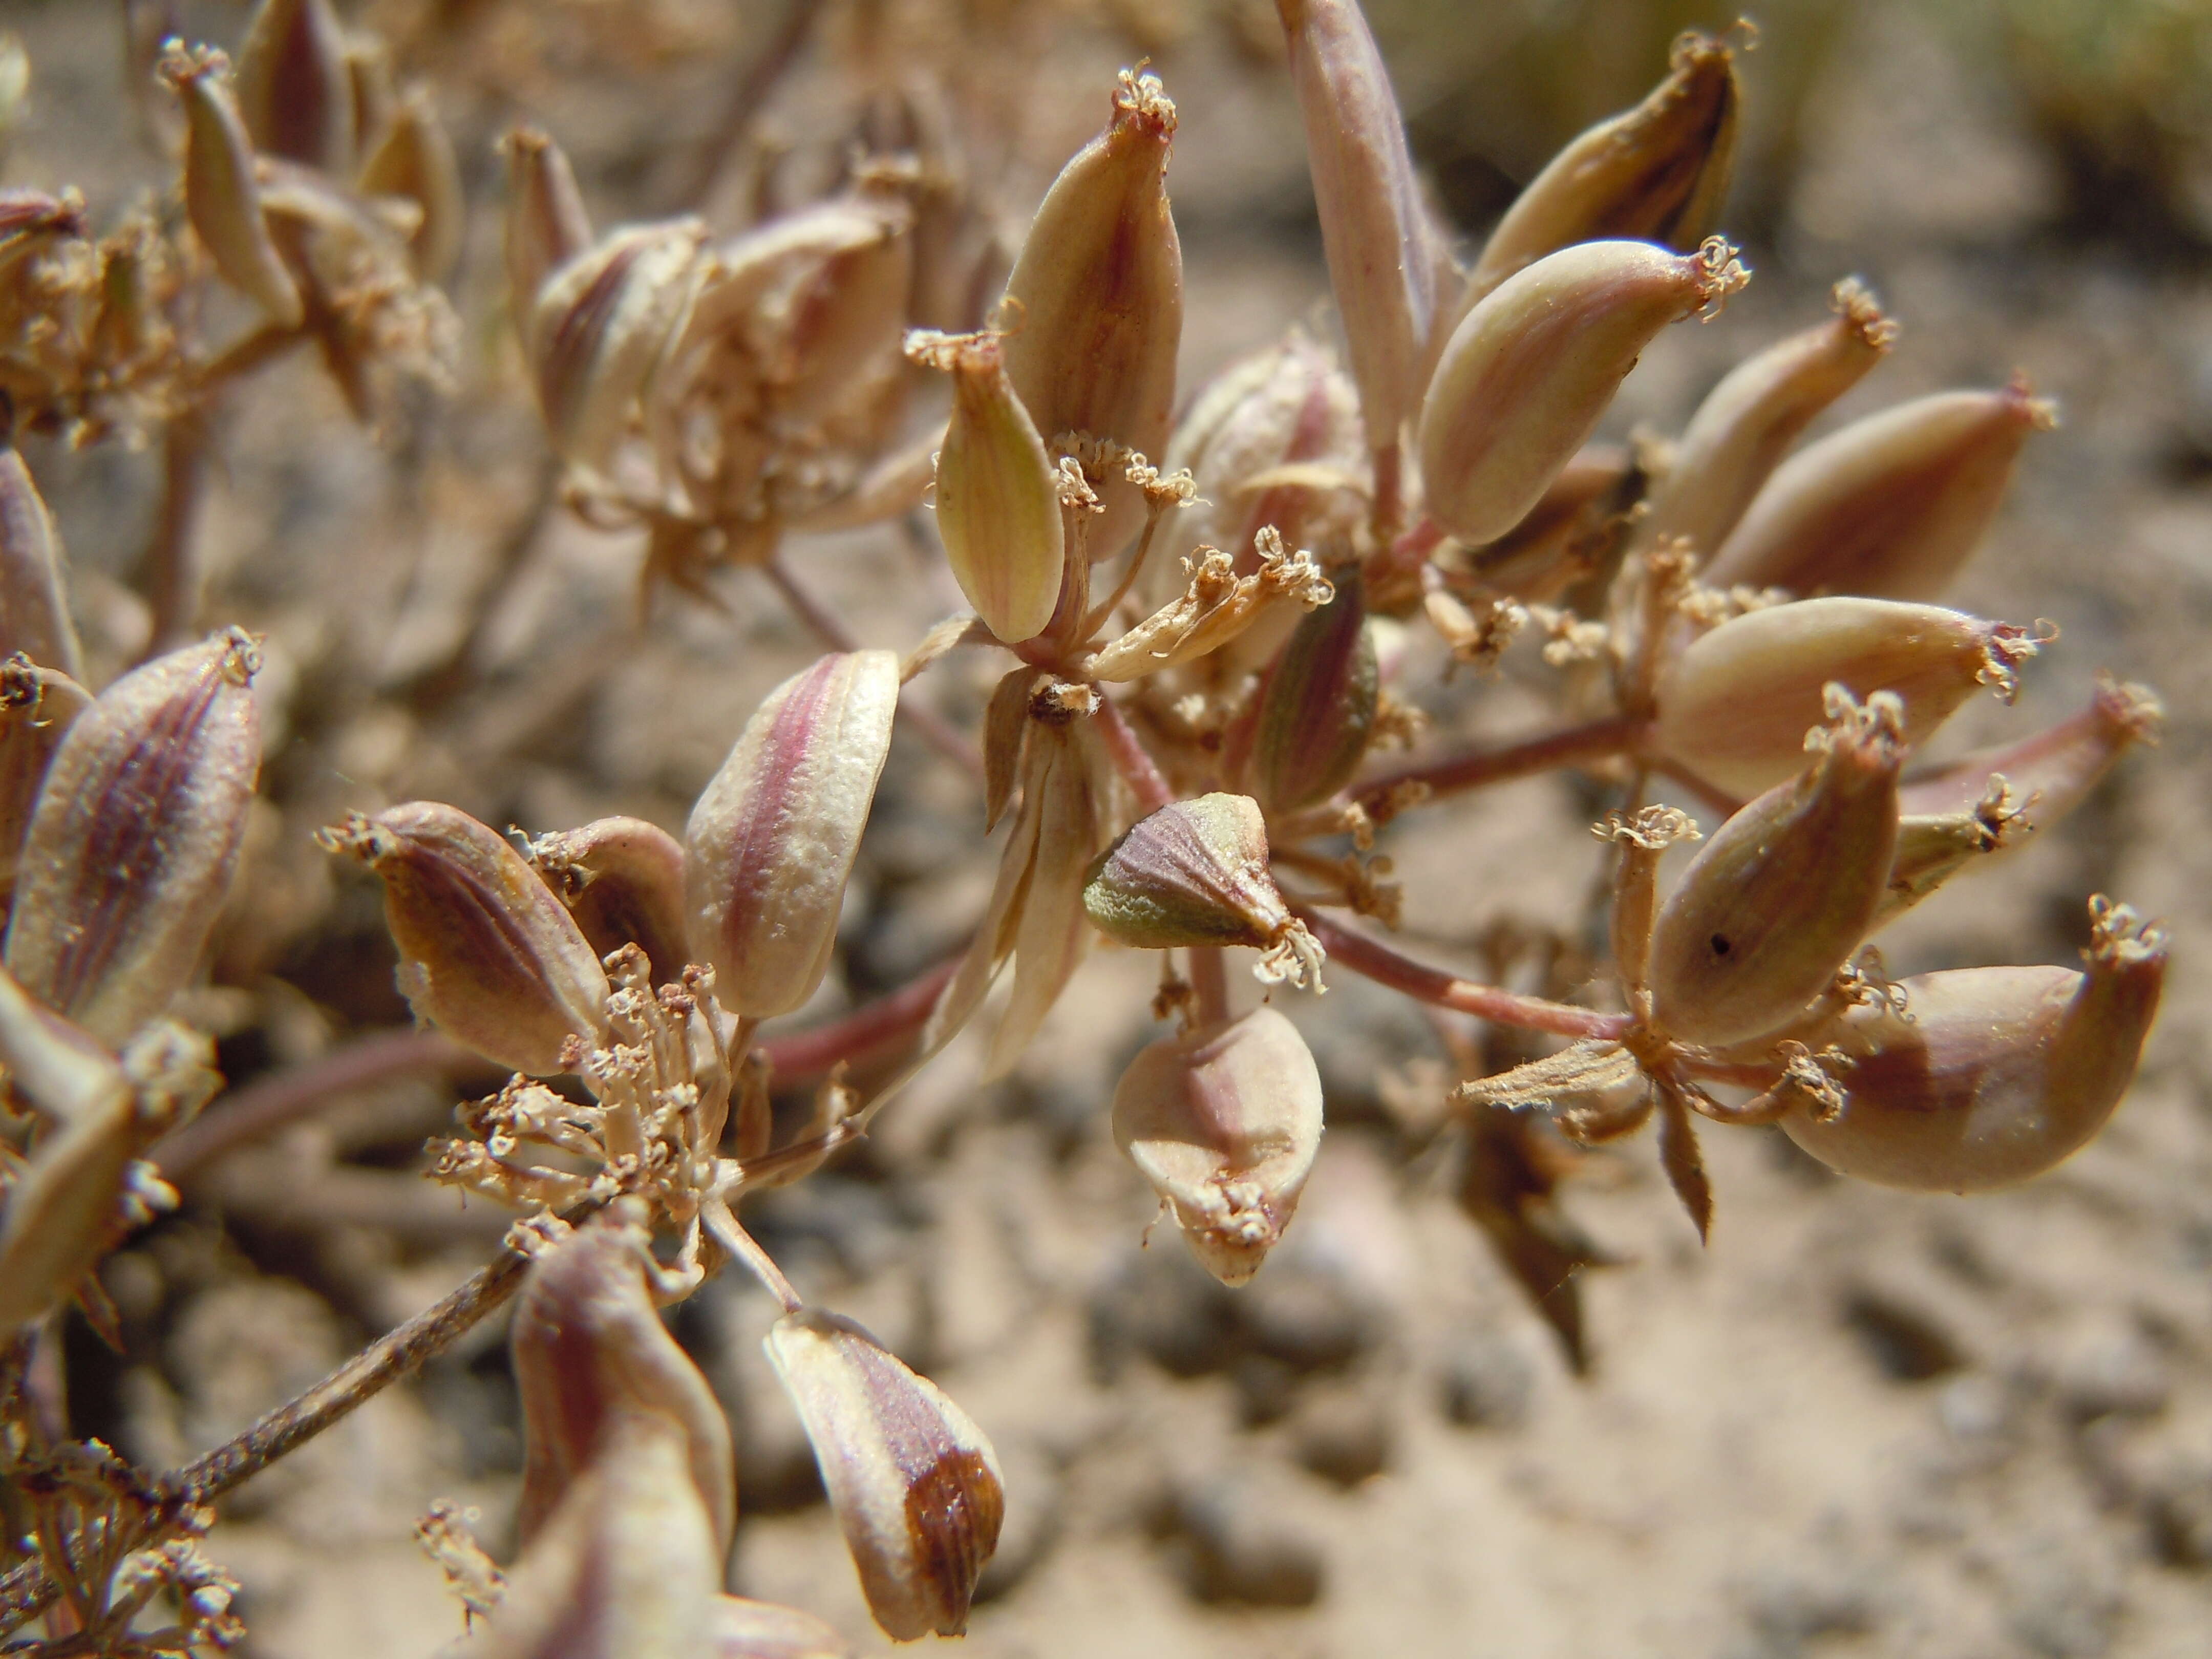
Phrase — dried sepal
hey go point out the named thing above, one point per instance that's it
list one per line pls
(1224, 1121)
(36, 708)
(622, 880)
(1217, 607)
(1508, 1186)
(1388, 267)
(1098, 299)
(222, 197)
(294, 85)
(592, 1358)
(771, 839)
(1679, 1158)
(1786, 890)
(1005, 729)
(1994, 1075)
(1736, 706)
(2053, 771)
(35, 613)
(1890, 506)
(1526, 376)
(136, 836)
(1194, 872)
(915, 1484)
(414, 161)
(487, 953)
(1582, 1069)
(998, 497)
(546, 225)
(1317, 706)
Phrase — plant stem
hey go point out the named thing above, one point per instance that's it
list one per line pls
(1130, 759)
(1209, 983)
(870, 1028)
(1364, 954)
(1477, 768)
(174, 572)
(727, 1230)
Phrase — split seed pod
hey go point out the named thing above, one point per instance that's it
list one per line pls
(546, 225)
(1317, 709)
(296, 87)
(1225, 1122)
(1735, 706)
(134, 839)
(37, 705)
(1528, 373)
(1785, 890)
(1387, 266)
(772, 839)
(486, 952)
(1098, 286)
(998, 497)
(1993, 1075)
(622, 880)
(222, 198)
(913, 1482)
(1889, 506)
(1747, 423)
(591, 1358)
(34, 616)
(414, 161)
(1655, 173)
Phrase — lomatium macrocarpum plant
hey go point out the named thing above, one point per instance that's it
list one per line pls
(1188, 746)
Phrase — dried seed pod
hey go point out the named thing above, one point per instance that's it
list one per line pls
(998, 497)
(1931, 849)
(1735, 708)
(296, 87)
(592, 1357)
(1098, 286)
(1525, 377)
(222, 195)
(847, 319)
(2052, 772)
(1891, 505)
(622, 880)
(1785, 890)
(37, 705)
(1224, 1121)
(34, 614)
(1747, 423)
(915, 1484)
(414, 161)
(546, 225)
(134, 839)
(486, 952)
(1990, 1076)
(1317, 709)
(1657, 173)
(1387, 266)
(772, 837)
(603, 323)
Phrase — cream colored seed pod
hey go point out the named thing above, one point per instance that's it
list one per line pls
(546, 225)
(1526, 376)
(414, 161)
(34, 614)
(1785, 890)
(1735, 706)
(1889, 506)
(222, 198)
(1993, 1075)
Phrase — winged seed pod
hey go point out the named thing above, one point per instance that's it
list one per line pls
(1785, 890)
(1736, 706)
(414, 161)
(294, 85)
(134, 839)
(592, 1358)
(1098, 299)
(222, 198)
(1224, 1121)
(1528, 373)
(546, 225)
(1890, 506)
(913, 1482)
(1991, 1075)
(1747, 423)
(603, 323)
(1657, 173)
(622, 880)
(486, 952)
(37, 705)
(34, 614)
(1388, 268)
(771, 839)
(998, 495)
(2054, 770)
(1317, 706)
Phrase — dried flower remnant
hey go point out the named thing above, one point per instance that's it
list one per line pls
(998, 495)
(221, 194)
(1526, 376)
(34, 614)
(915, 1483)
(132, 846)
(1224, 1121)
(486, 952)
(1217, 606)
(772, 837)
(622, 880)
(1097, 300)
(1991, 1075)
(1889, 506)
